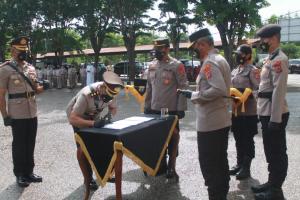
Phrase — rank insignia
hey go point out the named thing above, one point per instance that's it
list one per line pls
(207, 71)
(277, 66)
(257, 73)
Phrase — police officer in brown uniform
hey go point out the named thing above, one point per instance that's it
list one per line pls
(213, 114)
(18, 79)
(244, 124)
(273, 112)
(166, 75)
(85, 108)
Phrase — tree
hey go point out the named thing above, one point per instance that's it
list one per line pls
(3, 29)
(176, 12)
(96, 16)
(129, 16)
(291, 50)
(273, 19)
(232, 19)
(56, 18)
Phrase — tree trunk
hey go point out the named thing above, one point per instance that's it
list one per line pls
(130, 46)
(225, 45)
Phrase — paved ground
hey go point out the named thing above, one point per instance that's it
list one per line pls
(56, 161)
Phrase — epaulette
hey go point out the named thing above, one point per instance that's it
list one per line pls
(93, 92)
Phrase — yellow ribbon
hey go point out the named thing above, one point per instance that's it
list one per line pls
(242, 97)
(139, 98)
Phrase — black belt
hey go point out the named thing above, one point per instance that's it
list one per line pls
(21, 95)
(265, 95)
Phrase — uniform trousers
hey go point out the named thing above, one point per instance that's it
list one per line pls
(212, 148)
(244, 128)
(275, 150)
(24, 135)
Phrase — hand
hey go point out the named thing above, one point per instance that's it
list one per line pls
(99, 123)
(273, 126)
(7, 121)
(180, 114)
(186, 93)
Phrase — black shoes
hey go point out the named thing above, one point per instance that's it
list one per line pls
(235, 169)
(261, 188)
(172, 174)
(33, 178)
(22, 181)
(93, 185)
(270, 194)
(244, 173)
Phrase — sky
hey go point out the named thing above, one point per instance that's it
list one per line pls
(277, 7)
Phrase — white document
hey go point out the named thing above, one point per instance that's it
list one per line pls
(124, 123)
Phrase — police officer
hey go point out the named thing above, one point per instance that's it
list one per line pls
(83, 75)
(19, 80)
(166, 75)
(213, 116)
(85, 108)
(273, 112)
(244, 124)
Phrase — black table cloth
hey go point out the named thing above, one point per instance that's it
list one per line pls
(144, 143)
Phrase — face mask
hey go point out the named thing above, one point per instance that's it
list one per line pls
(197, 53)
(264, 46)
(159, 54)
(240, 59)
(106, 98)
(23, 55)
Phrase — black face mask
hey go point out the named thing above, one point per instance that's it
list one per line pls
(264, 46)
(159, 54)
(196, 53)
(23, 55)
(106, 98)
(240, 60)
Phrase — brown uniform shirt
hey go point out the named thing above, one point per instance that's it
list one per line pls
(13, 82)
(273, 77)
(246, 77)
(84, 104)
(213, 84)
(164, 78)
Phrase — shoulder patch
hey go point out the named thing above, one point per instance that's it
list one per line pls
(207, 71)
(277, 66)
(257, 73)
(181, 69)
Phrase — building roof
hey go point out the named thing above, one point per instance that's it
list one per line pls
(122, 50)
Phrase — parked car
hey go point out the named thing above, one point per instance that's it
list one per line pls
(294, 65)
(122, 68)
(192, 69)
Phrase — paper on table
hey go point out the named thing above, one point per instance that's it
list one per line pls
(124, 123)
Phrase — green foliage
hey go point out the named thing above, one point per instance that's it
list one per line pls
(291, 50)
(129, 17)
(232, 18)
(177, 17)
(273, 19)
